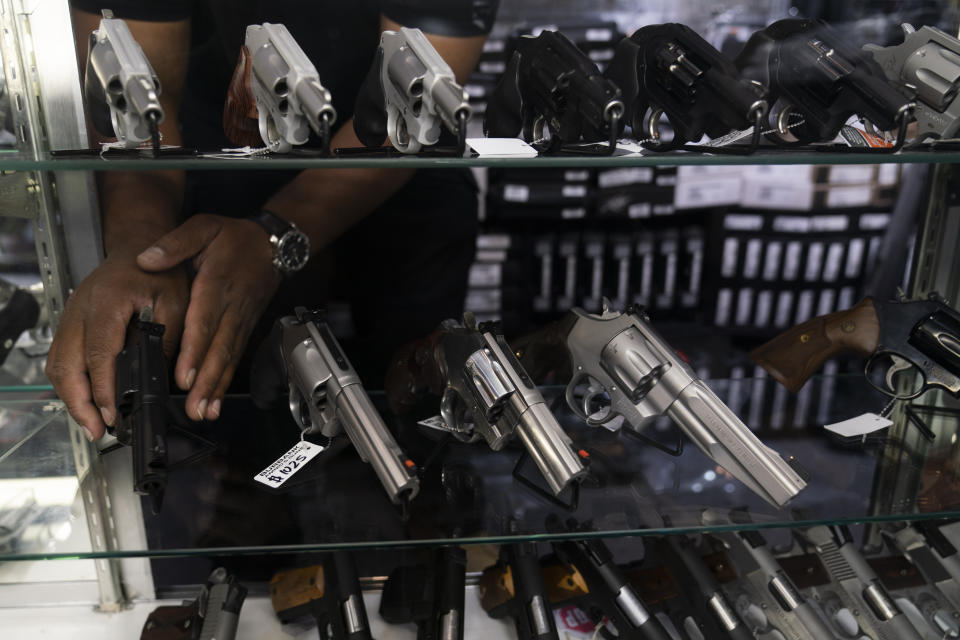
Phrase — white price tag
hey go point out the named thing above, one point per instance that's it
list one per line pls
(434, 422)
(288, 464)
(502, 148)
(859, 426)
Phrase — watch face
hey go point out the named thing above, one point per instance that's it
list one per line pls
(293, 251)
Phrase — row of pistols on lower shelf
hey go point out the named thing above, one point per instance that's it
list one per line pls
(796, 82)
(620, 374)
(819, 585)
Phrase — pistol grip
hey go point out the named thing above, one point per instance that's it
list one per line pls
(95, 94)
(793, 356)
(369, 112)
(238, 125)
(503, 118)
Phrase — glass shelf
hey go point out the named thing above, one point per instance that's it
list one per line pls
(12, 160)
(469, 494)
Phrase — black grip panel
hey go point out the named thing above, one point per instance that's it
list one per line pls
(370, 110)
(95, 94)
(624, 72)
(504, 115)
(19, 314)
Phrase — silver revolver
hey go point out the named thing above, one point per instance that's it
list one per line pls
(631, 371)
(121, 88)
(928, 62)
(327, 398)
(286, 86)
(485, 394)
(418, 91)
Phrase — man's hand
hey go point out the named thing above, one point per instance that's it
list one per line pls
(235, 280)
(82, 359)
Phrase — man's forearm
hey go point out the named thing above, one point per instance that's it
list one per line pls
(324, 203)
(138, 207)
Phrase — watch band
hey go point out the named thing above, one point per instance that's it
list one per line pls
(271, 222)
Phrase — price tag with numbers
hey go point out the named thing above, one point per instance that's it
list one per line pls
(288, 464)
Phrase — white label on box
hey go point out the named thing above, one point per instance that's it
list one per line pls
(777, 195)
(829, 223)
(874, 221)
(666, 180)
(814, 262)
(485, 275)
(791, 224)
(494, 45)
(493, 241)
(516, 192)
(598, 35)
(700, 171)
(483, 300)
(804, 306)
(621, 177)
(849, 196)
(724, 302)
(831, 267)
(888, 175)
(728, 264)
(846, 298)
(492, 66)
(791, 261)
(779, 172)
(855, 251)
(707, 193)
(851, 173)
(573, 213)
(475, 90)
(571, 175)
(825, 304)
(488, 255)
(639, 210)
(502, 148)
(663, 209)
(764, 308)
(751, 261)
(600, 55)
(771, 262)
(288, 464)
(784, 306)
(574, 191)
(744, 307)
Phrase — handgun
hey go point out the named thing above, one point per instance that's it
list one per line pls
(921, 336)
(817, 82)
(327, 398)
(629, 370)
(699, 586)
(329, 592)
(486, 393)
(934, 555)
(430, 594)
(409, 92)
(120, 86)
(514, 587)
(668, 69)
(609, 593)
(214, 615)
(142, 394)
(926, 62)
(552, 94)
(290, 100)
(846, 564)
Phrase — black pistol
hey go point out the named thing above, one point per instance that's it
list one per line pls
(142, 394)
(430, 594)
(817, 82)
(514, 587)
(668, 69)
(553, 94)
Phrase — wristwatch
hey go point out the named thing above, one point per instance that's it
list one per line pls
(291, 247)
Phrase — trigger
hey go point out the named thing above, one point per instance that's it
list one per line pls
(899, 364)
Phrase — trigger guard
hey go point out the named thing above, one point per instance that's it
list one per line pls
(393, 132)
(581, 411)
(450, 403)
(297, 402)
(889, 392)
(120, 129)
(269, 134)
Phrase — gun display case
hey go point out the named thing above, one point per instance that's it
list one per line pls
(557, 231)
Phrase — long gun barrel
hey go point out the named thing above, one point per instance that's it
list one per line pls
(928, 60)
(142, 392)
(819, 78)
(409, 92)
(286, 86)
(669, 69)
(643, 378)
(327, 397)
(121, 87)
(551, 87)
(486, 394)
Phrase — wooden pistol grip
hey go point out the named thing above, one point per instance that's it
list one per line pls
(240, 116)
(295, 588)
(793, 356)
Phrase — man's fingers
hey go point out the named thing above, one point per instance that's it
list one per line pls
(181, 244)
(103, 340)
(221, 356)
(199, 326)
(67, 372)
(216, 398)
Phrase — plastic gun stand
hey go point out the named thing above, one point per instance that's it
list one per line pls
(738, 150)
(138, 152)
(577, 149)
